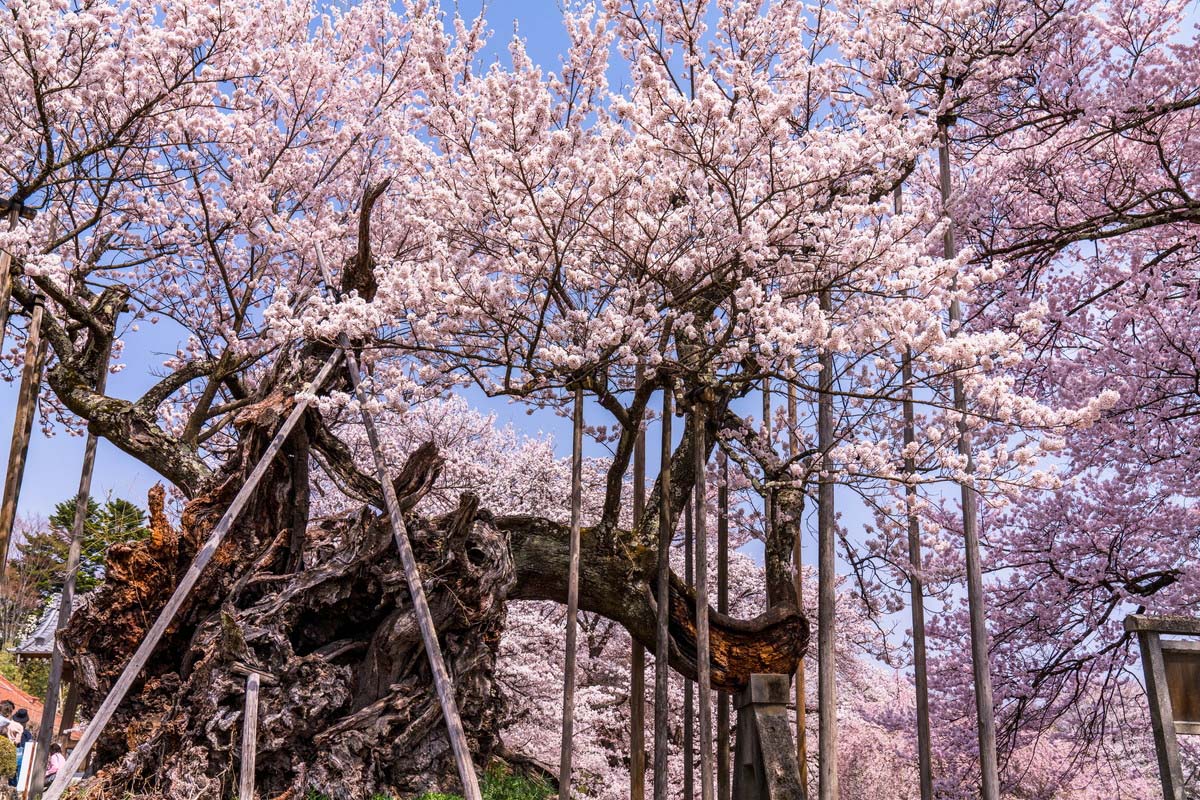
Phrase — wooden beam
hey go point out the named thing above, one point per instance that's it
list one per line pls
(1181, 626)
(723, 749)
(767, 768)
(915, 579)
(703, 654)
(70, 707)
(134, 668)
(568, 714)
(980, 665)
(768, 496)
(18, 451)
(1162, 724)
(798, 577)
(637, 669)
(827, 578)
(66, 602)
(442, 684)
(6, 279)
(689, 689)
(249, 739)
(662, 644)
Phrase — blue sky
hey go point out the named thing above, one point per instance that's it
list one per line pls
(52, 471)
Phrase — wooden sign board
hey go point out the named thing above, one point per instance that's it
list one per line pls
(1172, 672)
(1181, 663)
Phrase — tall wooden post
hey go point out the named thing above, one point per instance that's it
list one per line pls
(443, 686)
(1166, 686)
(6, 277)
(140, 656)
(768, 496)
(662, 579)
(568, 716)
(637, 669)
(70, 708)
(66, 603)
(766, 755)
(249, 739)
(703, 650)
(689, 700)
(31, 381)
(826, 576)
(915, 579)
(988, 764)
(723, 749)
(798, 574)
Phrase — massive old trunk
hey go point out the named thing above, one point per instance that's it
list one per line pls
(320, 609)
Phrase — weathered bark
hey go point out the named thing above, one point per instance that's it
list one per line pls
(624, 590)
(347, 706)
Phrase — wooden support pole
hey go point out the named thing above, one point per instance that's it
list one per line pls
(768, 497)
(442, 684)
(6, 279)
(412, 575)
(70, 707)
(798, 577)
(766, 755)
(1162, 722)
(662, 587)
(1149, 632)
(915, 580)
(573, 599)
(826, 577)
(134, 668)
(723, 749)
(568, 714)
(66, 604)
(980, 664)
(637, 669)
(689, 689)
(703, 651)
(249, 739)
(18, 452)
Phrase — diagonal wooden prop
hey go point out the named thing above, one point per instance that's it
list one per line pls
(441, 677)
(117, 694)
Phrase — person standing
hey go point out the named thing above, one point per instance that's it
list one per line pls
(18, 733)
(54, 763)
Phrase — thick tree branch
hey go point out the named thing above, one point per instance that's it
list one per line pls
(623, 590)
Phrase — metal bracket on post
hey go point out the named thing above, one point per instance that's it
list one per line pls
(765, 766)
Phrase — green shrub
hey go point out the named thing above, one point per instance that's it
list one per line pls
(8, 758)
(497, 784)
(500, 784)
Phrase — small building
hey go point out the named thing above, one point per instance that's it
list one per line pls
(39, 644)
(40, 641)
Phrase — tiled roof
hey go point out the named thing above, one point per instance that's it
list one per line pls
(40, 641)
(21, 699)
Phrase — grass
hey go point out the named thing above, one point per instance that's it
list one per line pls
(497, 784)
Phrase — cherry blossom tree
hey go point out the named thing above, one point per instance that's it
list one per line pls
(698, 193)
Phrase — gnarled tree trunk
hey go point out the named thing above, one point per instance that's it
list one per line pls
(347, 707)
